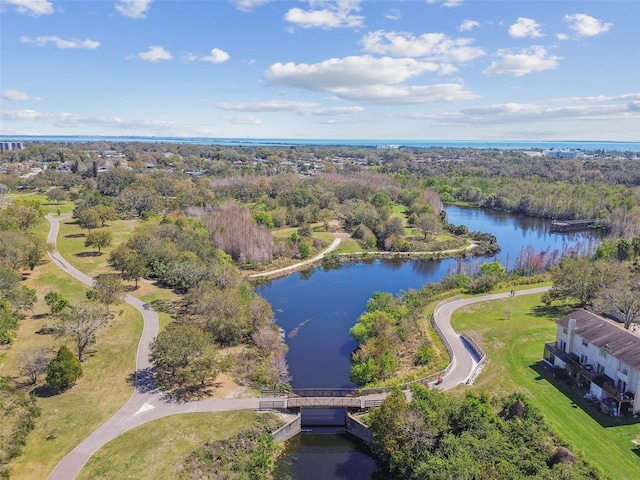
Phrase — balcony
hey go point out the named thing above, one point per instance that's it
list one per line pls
(613, 391)
(555, 351)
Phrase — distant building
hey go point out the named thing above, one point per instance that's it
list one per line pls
(6, 146)
(563, 154)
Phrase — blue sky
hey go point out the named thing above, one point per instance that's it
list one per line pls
(345, 69)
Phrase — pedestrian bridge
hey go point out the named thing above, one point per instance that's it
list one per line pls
(319, 398)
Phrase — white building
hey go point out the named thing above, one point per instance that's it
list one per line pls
(599, 355)
(563, 154)
(8, 146)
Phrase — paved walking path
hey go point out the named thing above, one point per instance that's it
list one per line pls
(298, 265)
(147, 403)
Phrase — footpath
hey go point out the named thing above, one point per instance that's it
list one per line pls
(147, 403)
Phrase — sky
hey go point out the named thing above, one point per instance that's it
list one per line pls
(319, 69)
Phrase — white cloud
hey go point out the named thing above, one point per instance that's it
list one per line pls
(32, 7)
(432, 46)
(407, 95)
(347, 72)
(301, 108)
(562, 36)
(60, 42)
(133, 8)
(249, 5)
(269, 106)
(468, 25)
(334, 111)
(367, 79)
(76, 121)
(243, 120)
(586, 25)
(447, 3)
(155, 53)
(216, 56)
(335, 15)
(525, 27)
(393, 14)
(533, 59)
(16, 95)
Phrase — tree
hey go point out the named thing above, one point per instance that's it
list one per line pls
(107, 289)
(21, 215)
(56, 195)
(99, 239)
(56, 302)
(89, 219)
(620, 299)
(182, 353)
(64, 370)
(32, 363)
(428, 223)
(581, 277)
(105, 213)
(82, 322)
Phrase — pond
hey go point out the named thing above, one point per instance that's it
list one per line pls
(316, 309)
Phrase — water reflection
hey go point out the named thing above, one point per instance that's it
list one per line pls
(327, 457)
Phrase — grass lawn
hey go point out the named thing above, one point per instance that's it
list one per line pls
(47, 207)
(512, 332)
(71, 245)
(152, 451)
(68, 418)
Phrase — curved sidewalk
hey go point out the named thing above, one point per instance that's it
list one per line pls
(463, 362)
(147, 403)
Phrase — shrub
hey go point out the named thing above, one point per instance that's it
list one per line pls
(64, 370)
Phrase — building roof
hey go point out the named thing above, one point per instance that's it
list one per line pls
(616, 341)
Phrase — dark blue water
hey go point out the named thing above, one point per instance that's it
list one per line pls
(371, 143)
(317, 309)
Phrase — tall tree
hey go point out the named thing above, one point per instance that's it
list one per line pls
(581, 278)
(81, 322)
(99, 239)
(107, 290)
(621, 299)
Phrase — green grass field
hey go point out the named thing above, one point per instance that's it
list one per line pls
(68, 418)
(512, 333)
(153, 451)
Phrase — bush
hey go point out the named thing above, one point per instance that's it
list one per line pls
(64, 370)
(424, 355)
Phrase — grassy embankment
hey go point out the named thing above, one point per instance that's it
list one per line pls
(512, 332)
(154, 450)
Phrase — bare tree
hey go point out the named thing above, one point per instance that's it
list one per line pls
(82, 322)
(33, 362)
(620, 300)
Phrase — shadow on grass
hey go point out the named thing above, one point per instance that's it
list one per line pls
(544, 372)
(45, 391)
(551, 311)
(75, 235)
(88, 254)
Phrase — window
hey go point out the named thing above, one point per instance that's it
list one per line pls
(564, 330)
(599, 368)
(623, 368)
(585, 343)
(583, 359)
(603, 354)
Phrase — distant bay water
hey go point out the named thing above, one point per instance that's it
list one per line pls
(292, 142)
